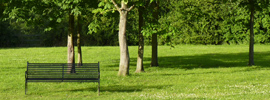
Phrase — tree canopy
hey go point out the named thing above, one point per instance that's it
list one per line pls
(179, 21)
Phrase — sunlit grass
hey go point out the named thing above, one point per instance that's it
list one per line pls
(185, 72)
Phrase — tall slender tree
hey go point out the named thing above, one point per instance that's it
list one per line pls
(79, 30)
(154, 60)
(124, 53)
(251, 35)
(253, 5)
(140, 67)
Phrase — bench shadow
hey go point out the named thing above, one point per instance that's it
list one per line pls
(118, 88)
(110, 88)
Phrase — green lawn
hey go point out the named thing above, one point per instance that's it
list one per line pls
(185, 72)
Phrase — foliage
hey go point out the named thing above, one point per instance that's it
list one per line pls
(180, 21)
(7, 38)
(103, 28)
(185, 72)
(198, 22)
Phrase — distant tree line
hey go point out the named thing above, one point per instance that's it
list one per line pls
(179, 22)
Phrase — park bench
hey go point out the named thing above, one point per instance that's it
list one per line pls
(59, 72)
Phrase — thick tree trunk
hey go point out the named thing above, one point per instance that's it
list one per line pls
(141, 43)
(71, 58)
(154, 61)
(79, 41)
(124, 53)
(251, 42)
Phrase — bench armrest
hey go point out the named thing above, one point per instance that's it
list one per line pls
(26, 74)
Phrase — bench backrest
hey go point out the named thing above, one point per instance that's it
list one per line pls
(51, 72)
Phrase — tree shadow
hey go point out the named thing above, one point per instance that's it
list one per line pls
(212, 60)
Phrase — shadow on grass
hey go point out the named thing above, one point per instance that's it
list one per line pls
(118, 88)
(214, 60)
(109, 88)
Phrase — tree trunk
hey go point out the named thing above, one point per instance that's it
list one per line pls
(71, 60)
(141, 43)
(251, 42)
(79, 41)
(124, 53)
(154, 61)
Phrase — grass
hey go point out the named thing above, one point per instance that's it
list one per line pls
(185, 72)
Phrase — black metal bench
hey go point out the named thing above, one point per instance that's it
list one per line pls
(60, 72)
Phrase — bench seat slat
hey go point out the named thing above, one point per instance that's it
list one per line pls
(88, 65)
(42, 76)
(48, 66)
(63, 81)
(58, 69)
(62, 78)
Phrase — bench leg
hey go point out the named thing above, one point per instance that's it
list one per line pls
(25, 87)
(98, 88)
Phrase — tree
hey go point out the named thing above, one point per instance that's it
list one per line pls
(124, 53)
(70, 44)
(70, 5)
(252, 6)
(77, 8)
(45, 9)
(154, 61)
(151, 27)
(140, 67)
(79, 30)
(83, 9)
(251, 42)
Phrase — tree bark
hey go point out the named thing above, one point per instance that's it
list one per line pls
(70, 45)
(251, 42)
(79, 41)
(124, 53)
(141, 43)
(154, 61)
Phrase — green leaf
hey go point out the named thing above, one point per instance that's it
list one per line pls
(98, 10)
